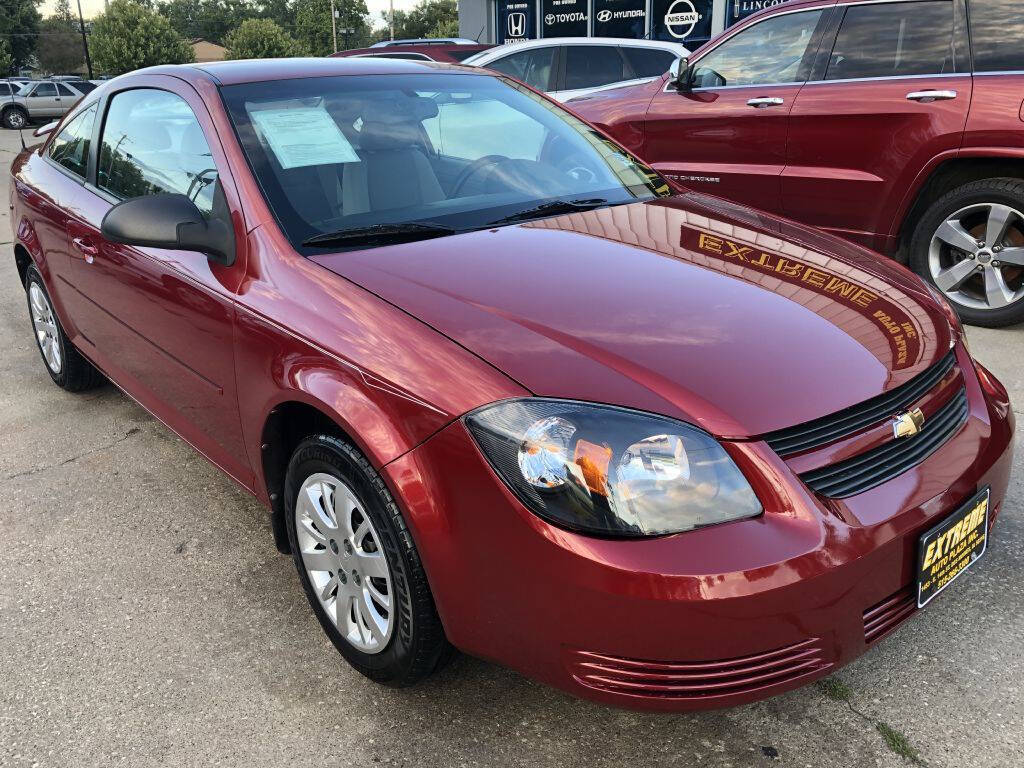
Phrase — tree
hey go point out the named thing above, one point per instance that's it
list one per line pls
(6, 60)
(19, 24)
(60, 44)
(129, 36)
(259, 39)
(430, 18)
(207, 19)
(313, 25)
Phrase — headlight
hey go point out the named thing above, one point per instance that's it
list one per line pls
(610, 471)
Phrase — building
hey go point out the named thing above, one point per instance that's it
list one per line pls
(204, 50)
(690, 22)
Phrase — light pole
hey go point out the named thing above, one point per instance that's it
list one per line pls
(391, 7)
(334, 25)
(85, 42)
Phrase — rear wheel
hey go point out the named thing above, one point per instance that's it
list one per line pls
(358, 564)
(14, 118)
(970, 245)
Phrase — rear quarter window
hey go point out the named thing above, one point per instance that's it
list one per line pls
(997, 27)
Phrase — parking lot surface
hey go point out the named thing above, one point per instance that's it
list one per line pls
(146, 619)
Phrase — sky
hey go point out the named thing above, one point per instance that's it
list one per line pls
(92, 7)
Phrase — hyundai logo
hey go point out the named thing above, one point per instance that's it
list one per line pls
(604, 16)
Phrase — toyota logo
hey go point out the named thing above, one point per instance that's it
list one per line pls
(516, 24)
(549, 19)
(681, 18)
(604, 16)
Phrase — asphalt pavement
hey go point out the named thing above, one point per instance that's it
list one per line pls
(146, 619)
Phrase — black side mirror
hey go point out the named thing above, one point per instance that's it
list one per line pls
(679, 74)
(169, 221)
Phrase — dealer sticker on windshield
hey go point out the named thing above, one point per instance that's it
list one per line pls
(951, 547)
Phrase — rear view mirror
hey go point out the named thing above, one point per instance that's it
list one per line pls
(43, 130)
(169, 221)
(679, 74)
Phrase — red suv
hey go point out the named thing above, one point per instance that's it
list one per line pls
(893, 124)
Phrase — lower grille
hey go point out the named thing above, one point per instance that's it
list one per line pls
(879, 620)
(693, 680)
(881, 464)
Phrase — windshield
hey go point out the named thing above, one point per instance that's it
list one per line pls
(344, 155)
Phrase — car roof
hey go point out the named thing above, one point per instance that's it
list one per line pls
(237, 71)
(662, 45)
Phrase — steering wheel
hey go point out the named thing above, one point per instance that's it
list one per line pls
(474, 168)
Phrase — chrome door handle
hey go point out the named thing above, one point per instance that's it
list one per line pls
(87, 249)
(929, 96)
(766, 101)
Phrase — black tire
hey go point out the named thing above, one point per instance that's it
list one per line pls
(417, 645)
(10, 118)
(1002, 191)
(76, 374)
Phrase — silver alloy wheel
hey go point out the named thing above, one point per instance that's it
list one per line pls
(45, 327)
(976, 256)
(16, 119)
(345, 562)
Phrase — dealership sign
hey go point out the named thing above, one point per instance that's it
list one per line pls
(681, 21)
(740, 9)
(620, 18)
(516, 21)
(564, 18)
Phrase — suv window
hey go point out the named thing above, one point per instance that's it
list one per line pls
(152, 144)
(997, 27)
(6, 88)
(893, 40)
(63, 90)
(45, 89)
(588, 66)
(70, 147)
(533, 67)
(649, 62)
(771, 51)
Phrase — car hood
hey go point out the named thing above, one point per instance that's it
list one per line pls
(690, 307)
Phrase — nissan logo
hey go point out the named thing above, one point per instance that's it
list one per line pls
(604, 16)
(681, 18)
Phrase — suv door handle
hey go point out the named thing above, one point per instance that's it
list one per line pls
(929, 96)
(766, 101)
(86, 248)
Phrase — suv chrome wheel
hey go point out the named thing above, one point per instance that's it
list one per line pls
(345, 562)
(46, 328)
(976, 256)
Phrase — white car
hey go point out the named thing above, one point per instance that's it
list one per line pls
(568, 67)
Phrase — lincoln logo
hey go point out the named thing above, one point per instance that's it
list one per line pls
(908, 424)
(516, 24)
(604, 16)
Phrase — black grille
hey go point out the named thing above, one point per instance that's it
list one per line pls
(874, 467)
(828, 429)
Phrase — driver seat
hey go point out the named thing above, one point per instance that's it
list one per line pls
(393, 171)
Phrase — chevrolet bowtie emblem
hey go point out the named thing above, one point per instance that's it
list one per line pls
(907, 424)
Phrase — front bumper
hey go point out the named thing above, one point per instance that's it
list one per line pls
(715, 617)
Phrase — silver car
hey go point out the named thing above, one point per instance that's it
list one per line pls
(41, 100)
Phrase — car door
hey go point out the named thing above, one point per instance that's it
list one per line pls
(65, 99)
(161, 322)
(588, 67)
(890, 93)
(42, 102)
(726, 132)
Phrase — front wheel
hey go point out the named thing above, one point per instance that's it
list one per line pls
(970, 245)
(14, 118)
(358, 564)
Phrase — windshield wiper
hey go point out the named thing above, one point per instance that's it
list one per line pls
(553, 208)
(380, 234)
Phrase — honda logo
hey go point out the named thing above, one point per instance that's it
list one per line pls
(516, 24)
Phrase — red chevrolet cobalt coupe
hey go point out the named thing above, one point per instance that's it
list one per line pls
(500, 389)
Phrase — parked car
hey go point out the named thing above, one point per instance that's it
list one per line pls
(569, 67)
(873, 121)
(663, 452)
(42, 100)
(451, 51)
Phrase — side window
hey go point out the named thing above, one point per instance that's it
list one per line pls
(151, 144)
(45, 89)
(997, 27)
(648, 62)
(63, 90)
(771, 51)
(5, 89)
(70, 147)
(533, 67)
(894, 39)
(588, 66)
